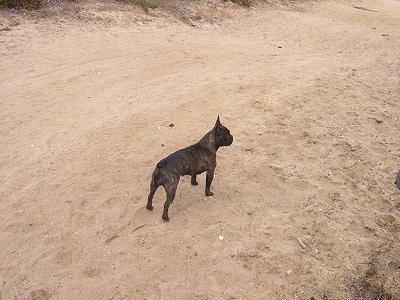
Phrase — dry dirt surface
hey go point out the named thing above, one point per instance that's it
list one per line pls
(305, 205)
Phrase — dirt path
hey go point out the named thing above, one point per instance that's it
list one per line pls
(312, 98)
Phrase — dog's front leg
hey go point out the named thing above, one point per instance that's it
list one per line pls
(209, 179)
(194, 181)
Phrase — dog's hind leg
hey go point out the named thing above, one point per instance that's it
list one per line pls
(171, 190)
(153, 187)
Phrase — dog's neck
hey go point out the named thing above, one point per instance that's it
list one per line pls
(208, 141)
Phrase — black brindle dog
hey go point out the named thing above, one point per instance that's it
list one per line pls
(193, 160)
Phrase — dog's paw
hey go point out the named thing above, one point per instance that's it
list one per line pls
(209, 194)
(165, 218)
(194, 183)
(149, 207)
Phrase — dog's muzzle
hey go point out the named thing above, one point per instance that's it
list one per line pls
(229, 140)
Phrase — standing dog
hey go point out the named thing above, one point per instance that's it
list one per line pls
(193, 160)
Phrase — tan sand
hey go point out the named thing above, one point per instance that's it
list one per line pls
(312, 97)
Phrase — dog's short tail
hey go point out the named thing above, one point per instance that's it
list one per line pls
(160, 164)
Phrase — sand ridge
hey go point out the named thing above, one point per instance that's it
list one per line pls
(312, 99)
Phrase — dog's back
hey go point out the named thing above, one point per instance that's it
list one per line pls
(192, 160)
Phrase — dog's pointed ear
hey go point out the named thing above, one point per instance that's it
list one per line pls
(218, 123)
(217, 127)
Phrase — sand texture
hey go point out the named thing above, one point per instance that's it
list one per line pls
(305, 203)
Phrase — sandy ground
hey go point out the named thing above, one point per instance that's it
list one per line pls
(312, 97)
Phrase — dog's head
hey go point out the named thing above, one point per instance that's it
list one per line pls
(223, 136)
